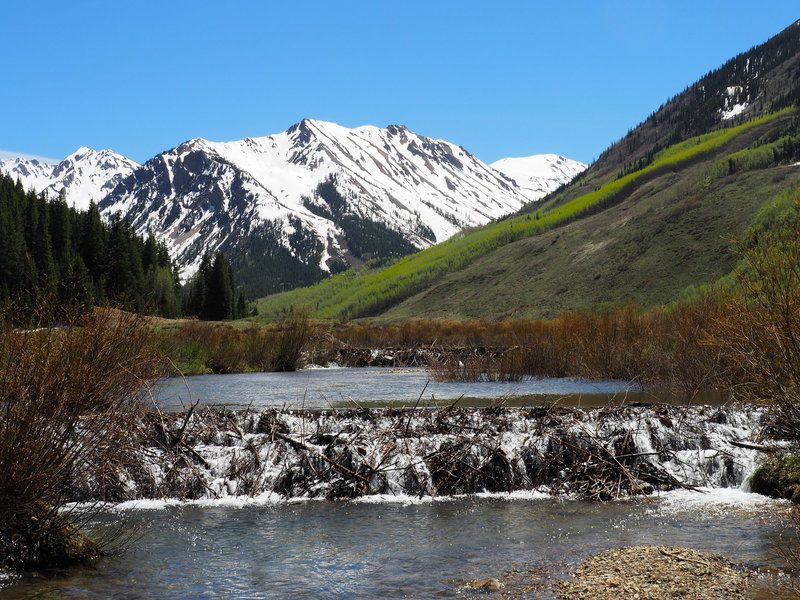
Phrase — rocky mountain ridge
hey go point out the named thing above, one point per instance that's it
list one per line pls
(84, 176)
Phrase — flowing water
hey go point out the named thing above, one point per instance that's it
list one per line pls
(317, 550)
(403, 533)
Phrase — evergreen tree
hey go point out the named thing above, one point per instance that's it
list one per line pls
(50, 249)
(150, 253)
(94, 247)
(241, 307)
(221, 293)
(41, 245)
(61, 229)
(211, 294)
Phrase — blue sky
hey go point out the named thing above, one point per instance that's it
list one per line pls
(500, 78)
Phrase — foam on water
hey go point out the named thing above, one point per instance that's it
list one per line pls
(715, 500)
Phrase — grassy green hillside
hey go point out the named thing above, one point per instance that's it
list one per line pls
(647, 251)
(644, 235)
(651, 217)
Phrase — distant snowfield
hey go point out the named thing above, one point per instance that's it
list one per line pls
(86, 175)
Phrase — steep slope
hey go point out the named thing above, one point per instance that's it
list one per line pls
(317, 198)
(645, 222)
(540, 174)
(666, 238)
(85, 175)
(758, 81)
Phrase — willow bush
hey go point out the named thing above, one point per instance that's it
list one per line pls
(70, 397)
(198, 347)
(759, 330)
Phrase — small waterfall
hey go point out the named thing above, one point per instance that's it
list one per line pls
(597, 454)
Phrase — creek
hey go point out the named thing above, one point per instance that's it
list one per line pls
(420, 550)
(243, 506)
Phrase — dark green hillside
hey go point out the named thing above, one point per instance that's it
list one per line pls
(651, 218)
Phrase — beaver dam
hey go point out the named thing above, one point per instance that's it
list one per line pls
(594, 454)
(435, 500)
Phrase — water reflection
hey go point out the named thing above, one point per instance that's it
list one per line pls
(372, 387)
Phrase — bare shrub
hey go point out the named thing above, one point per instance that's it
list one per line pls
(758, 333)
(294, 333)
(475, 365)
(197, 347)
(69, 399)
(665, 347)
(758, 336)
(787, 547)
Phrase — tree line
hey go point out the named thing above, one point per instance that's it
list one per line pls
(49, 249)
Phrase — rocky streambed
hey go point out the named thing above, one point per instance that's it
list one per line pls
(656, 573)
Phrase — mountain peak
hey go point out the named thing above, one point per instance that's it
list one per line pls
(309, 124)
(85, 175)
(301, 132)
(539, 174)
(81, 153)
(397, 129)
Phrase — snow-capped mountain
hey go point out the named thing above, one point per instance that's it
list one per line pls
(540, 174)
(311, 190)
(289, 207)
(84, 175)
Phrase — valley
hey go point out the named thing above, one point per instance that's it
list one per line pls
(361, 362)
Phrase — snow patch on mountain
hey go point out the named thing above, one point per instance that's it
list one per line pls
(85, 175)
(735, 101)
(540, 174)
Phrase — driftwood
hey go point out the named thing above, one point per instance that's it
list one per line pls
(421, 356)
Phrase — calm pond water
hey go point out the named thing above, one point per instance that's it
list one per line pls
(347, 387)
(315, 550)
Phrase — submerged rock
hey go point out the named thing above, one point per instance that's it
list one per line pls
(492, 584)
